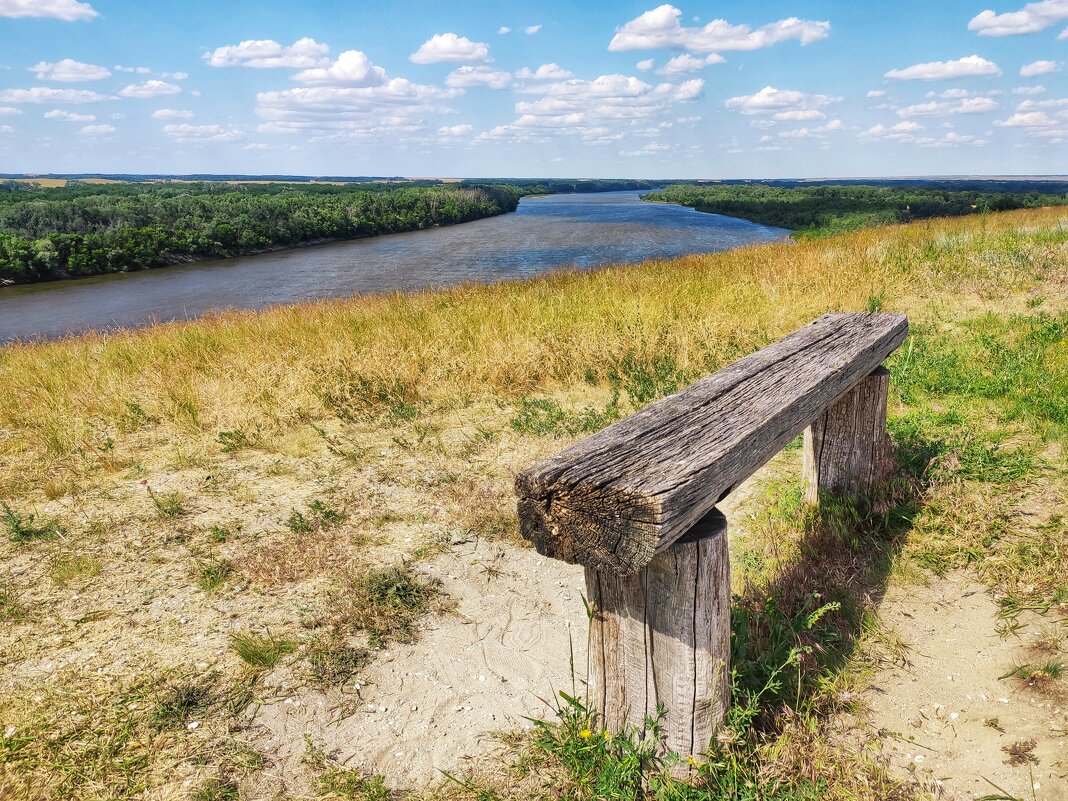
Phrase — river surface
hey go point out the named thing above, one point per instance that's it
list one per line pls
(584, 230)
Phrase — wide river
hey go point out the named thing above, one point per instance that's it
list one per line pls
(586, 230)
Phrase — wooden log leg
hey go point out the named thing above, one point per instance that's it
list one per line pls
(847, 449)
(662, 637)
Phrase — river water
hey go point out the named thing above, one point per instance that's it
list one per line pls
(585, 230)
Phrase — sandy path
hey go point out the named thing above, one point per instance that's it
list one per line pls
(939, 711)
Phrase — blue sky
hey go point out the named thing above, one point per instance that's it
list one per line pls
(783, 88)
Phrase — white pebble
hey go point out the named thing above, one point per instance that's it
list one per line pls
(193, 725)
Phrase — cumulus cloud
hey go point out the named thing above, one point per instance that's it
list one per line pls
(1038, 68)
(455, 130)
(968, 67)
(171, 114)
(593, 110)
(185, 132)
(967, 105)
(396, 105)
(450, 47)
(68, 116)
(69, 71)
(66, 10)
(957, 94)
(503, 30)
(352, 68)
(97, 130)
(812, 133)
(303, 54)
(6, 129)
(876, 93)
(1029, 90)
(684, 63)
(645, 64)
(546, 72)
(137, 70)
(798, 115)
(1027, 119)
(151, 88)
(1032, 18)
(46, 94)
(467, 77)
(770, 100)
(908, 132)
(650, 149)
(9, 111)
(530, 30)
(660, 29)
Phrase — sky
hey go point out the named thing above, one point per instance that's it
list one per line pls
(780, 88)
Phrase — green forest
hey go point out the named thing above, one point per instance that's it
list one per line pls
(825, 210)
(90, 229)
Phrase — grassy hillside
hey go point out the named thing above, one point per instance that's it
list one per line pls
(276, 481)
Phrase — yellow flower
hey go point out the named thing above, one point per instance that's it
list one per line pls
(608, 735)
(585, 734)
(692, 761)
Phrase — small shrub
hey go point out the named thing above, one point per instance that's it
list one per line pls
(261, 651)
(385, 602)
(22, 529)
(181, 701)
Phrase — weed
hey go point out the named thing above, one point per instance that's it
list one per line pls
(546, 417)
(1021, 753)
(219, 534)
(385, 602)
(341, 782)
(212, 574)
(234, 441)
(320, 516)
(168, 505)
(221, 789)
(181, 700)
(11, 607)
(22, 529)
(261, 651)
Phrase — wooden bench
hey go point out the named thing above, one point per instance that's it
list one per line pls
(635, 504)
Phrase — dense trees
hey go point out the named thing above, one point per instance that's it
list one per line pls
(816, 210)
(88, 229)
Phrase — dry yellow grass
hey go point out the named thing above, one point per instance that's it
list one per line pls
(73, 405)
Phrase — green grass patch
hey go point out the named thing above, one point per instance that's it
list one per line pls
(261, 651)
(25, 528)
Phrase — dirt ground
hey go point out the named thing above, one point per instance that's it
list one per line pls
(950, 717)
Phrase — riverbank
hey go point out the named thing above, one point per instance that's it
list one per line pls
(234, 547)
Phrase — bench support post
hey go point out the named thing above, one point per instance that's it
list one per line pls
(847, 449)
(661, 636)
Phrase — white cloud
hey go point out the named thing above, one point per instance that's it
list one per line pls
(6, 129)
(68, 116)
(968, 67)
(968, 105)
(69, 71)
(1028, 105)
(303, 54)
(396, 105)
(876, 93)
(593, 110)
(812, 133)
(256, 146)
(645, 64)
(901, 130)
(660, 28)
(66, 10)
(466, 77)
(185, 132)
(455, 130)
(1032, 18)
(1038, 68)
(957, 94)
(97, 130)
(770, 100)
(908, 132)
(530, 30)
(171, 114)
(503, 30)
(352, 68)
(1029, 119)
(46, 94)
(174, 76)
(450, 47)
(151, 88)
(137, 70)
(1029, 90)
(546, 72)
(9, 111)
(684, 63)
(799, 115)
(650, 149)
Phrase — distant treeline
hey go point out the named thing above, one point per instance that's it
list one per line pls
(825, 209)
(566, 186)
(89, 229)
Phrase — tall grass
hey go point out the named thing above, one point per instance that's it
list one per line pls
(73, 402)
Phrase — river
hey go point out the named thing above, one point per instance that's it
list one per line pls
(584, 230)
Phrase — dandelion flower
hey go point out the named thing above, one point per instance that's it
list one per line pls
(585, 734)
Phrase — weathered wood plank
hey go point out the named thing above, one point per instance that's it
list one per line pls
(615, 499)
(847, 449)
(662, 637)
